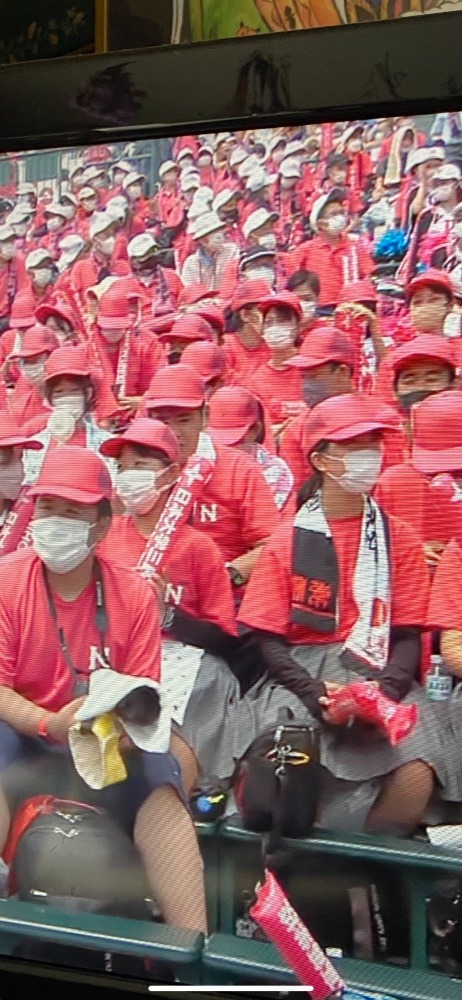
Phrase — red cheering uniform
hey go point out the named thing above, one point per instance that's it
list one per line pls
(31, 661)
(336, 266)
(275, 387)
(243, 362)
(268, 598)
(237, 508)
(445, 608)
(197, 581)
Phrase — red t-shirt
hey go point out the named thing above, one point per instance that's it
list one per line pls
(407, 494)
(146, 356)
(276, 386)
(85, 274)
(31, 661)
(445, 608)
(267, 602)
(26, 402)
(197, 580)
(243, 361)
(13, 278)
(336, 265)
(237, 508)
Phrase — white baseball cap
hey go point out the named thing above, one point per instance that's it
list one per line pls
(448, 172)
(259, 179)
(100, 222)
(86, 192)
(422, 155)
(93, 171)
(207, 223)
(205, 148)
(6, 234)
(142, 245)
(132, 178)
(123, 165)
(102, 287)
(294, 148)
(186, 151)
(71, 244)
(277, 140)
(167, 166)
(248, 166)
(26, 189)
(237, 156)
(190, 181)
(290, 168)
(222, 137)
(54, 208)
(19, 214)
(116, 208)
(258, 219)
(224, 197)
(337, 194)
(75, 169)
(69, 197)
(37, 257)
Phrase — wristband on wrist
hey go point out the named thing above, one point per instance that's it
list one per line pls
(42, 729)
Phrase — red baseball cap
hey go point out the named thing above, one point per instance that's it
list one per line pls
(427, 346)
(114, 309)
(342, 418)
(188, 328)
(11, 435)
(232, 412)
(37, 340)
(68, 361)
(60, 311)
(208, 360)
(212, 314)
(143, 430)
(194, 293)
(75, 474)
(358, 291)
(176, 386)
(22, 311)
(437, 433)
(283, 300)
(433, 277)
(324, 345)
(250, 292)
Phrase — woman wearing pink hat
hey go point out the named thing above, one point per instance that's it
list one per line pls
(333, 600)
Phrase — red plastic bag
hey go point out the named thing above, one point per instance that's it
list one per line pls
(273, 912)
(363, 700)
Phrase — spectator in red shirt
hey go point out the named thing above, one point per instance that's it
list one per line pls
(186, 330)
(306, 285)
(88, 206)
(41, 271)
(56, 227)
(237, 419)
(209, 361)
(70, 206)
(245, 348)
(21, 319)
(214, 256)
(28, 397)
(336, 256)
(133, 186)
(39, 694)
(159, 288)
(16, 508)
(13, 276)
(100, 263)
(118, 172)
(278, 386)
(317, 629)
(59, 318)
(129, 356)
(168, 196)
(236, 509)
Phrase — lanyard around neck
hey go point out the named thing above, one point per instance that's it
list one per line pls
(80, 677)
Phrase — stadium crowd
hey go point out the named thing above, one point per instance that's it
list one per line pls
(234, 403)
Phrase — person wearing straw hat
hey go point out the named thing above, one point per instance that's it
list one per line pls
(207, 266)
(93, 629)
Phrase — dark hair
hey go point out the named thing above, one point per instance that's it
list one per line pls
(436, 288)
(104, 508)
(284, 313)
(144, 451)
(302, 277)
(261, 420)
(314, 483)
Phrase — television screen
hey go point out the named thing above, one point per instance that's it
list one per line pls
(230, 482)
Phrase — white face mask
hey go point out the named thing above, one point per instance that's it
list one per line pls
(34, 373)
(355, 146)
(269, 241)
(362, 470)
(264, 273)
(8, 251)
(107, 246)
(442, 193)
(54, 224)
(61, 543)
(308, 309)
(11, 478)
(42, 276)
(279, 336)
(113, 336)
(215, 242)
(137, 488)
(452, 326)
(73, 404)
(336, 223)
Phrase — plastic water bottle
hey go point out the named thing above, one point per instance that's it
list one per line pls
(439, 681)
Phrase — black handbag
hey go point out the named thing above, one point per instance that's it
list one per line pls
(277, 782)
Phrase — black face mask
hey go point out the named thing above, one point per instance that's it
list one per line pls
(409, 399)
(173, 357)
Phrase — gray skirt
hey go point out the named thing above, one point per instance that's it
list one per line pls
(220, 726)
(450, 717)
